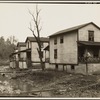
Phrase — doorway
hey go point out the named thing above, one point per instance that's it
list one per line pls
(29, 64)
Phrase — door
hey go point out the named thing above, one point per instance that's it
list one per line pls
(29, 64)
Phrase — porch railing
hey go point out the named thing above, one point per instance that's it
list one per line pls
(89, 60)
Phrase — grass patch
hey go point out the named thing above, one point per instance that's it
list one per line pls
(4, 62)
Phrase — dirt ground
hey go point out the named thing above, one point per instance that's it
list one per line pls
(52, 84)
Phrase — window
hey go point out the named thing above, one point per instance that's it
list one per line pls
(91, 35)
(55, 40)
(61, 39)
(55, 53)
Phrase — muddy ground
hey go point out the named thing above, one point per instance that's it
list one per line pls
(49, 84)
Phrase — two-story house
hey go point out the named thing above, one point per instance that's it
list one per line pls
(32, 53)
(12, 59)
(74, 48)
(18, 58)
(21, 46)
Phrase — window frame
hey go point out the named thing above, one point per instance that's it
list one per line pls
(55, 40)
(90, 35)
(55, 53)
(61, 39)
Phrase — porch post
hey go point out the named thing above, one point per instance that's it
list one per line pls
(86, 66)
(63, 68)
(56, 67)
(86, 58)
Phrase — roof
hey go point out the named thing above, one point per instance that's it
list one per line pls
(26, 50)
(42, 39)
(89, 43)
(21, 44)
(73, 29)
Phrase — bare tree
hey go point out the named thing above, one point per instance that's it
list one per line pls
(36, 32)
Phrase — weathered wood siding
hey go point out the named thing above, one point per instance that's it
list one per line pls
(83, 33)
(46, 54)
(28, 43)
(67, 51)
(23, 55)
(34, 52)
(20, 48)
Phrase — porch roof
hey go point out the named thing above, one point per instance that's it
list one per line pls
(26, 50)
(89, 43)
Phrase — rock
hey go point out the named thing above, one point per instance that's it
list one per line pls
(63, 90)
(70, 75)
(3, 74)
(18, 91)
(5, 83)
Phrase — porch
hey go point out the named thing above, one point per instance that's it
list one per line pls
(88, 52)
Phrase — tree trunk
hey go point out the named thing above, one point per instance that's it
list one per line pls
(42, 65)
(41, 61)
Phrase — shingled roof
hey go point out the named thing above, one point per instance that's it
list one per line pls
(21, 44)
(73, 29)
(42, 39)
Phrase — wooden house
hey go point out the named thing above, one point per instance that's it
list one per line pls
(18, 58)
(12, 59)
(32, 53)
(21, 55)
(76, 49)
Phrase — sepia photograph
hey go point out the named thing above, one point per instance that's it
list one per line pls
(49, 50)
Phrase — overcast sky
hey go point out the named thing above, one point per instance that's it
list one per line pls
(15, 18)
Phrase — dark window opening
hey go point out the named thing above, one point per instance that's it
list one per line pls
(72, 67)
(55, 41)
(91, 35)
(55, 53)
(61, 39)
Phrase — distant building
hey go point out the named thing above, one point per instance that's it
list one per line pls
(12, 59)
(70, 47)
(18, 58)
(32, 53)
(22, 55)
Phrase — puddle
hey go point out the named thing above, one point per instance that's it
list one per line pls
(18, 87)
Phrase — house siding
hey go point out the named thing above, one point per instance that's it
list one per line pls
(34, 52)
(83, 33)
(67, 51)
(30, 45)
